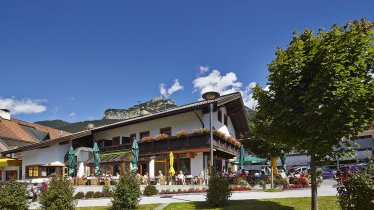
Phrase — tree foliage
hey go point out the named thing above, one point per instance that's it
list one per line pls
(321, 89)
(258, 145)
(13, 195)
(58, 195)
(127, 192)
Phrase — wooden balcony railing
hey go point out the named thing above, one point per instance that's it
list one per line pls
(190, 142)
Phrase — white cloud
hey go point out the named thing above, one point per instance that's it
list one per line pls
(72, 114)
(203, 69)
(225, 84)
(23, 106)
(167, 92)
(214, 81)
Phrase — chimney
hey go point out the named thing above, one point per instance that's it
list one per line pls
(5, 114)
(90, 126)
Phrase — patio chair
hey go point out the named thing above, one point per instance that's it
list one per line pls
(94, 181)
(162, 181)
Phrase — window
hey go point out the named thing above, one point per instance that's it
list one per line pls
(143, 134)
(225, 120)
(166, 131)
(219, 115)
(126, 140)
(32, 171)
(132, 136)
(47, 171)
(115, 140)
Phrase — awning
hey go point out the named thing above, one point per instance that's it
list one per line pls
(250, 160)
(4, 162)
(57, 163)
(112, 157)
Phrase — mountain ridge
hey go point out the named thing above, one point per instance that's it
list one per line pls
(113, 115)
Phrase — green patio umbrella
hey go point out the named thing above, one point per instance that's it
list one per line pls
(283, 160)
(241, 157)
(71, 156)
(250, 160)
(97, 160)
(135, 154)
(253, 159)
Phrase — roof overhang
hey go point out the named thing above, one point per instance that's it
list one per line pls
(48, 142)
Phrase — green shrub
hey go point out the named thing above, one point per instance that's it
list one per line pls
(127, 192)
(107, 192)
(97, 195)
(59, 195)
(13, 195)
(356, 190)
(242, 182)
(219, 190)
(150, 190)
(89, 194)
(79, 195)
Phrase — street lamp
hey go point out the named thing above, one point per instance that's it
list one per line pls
(210, 96)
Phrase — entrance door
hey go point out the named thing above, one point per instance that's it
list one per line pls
(10, 175)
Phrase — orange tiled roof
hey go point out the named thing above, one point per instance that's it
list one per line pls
(14, 129)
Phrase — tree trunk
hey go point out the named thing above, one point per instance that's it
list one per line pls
(313, 171)
(272, 178)
(272, 173)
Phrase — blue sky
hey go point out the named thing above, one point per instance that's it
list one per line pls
(71, 60)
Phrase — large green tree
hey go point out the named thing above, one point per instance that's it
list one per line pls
(321, 89)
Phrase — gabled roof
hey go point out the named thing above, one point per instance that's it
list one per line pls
(236, 112)
(221, 101)
(48, 142)
(25, 131)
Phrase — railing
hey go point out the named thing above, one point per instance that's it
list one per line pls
(115, 148)
(189, 142)
(192, 141)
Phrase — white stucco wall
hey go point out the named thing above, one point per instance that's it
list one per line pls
(228, 130)
(46, 155)
(152, 168)
(197, 164)
(185, 121)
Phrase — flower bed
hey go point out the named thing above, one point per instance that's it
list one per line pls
(179, 191)
(295, 186)
(162, 136)
(227, 138)
(201, 131)
(182, 133)
(192, 190)
(240, 189)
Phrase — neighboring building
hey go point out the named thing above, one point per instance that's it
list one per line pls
(191, 151)
(17, 133)
(363, 152)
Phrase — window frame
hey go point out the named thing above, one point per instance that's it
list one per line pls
(166, 129)
(132, 136)
(225, 119)
(124, 138)
(35, 171)
(115, 138)
(144, 132)
(219, 115)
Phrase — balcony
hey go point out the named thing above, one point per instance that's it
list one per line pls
(189, 142)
